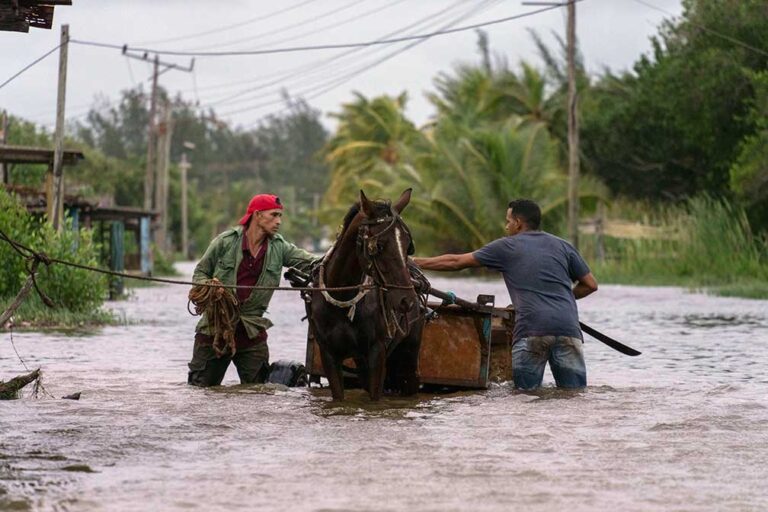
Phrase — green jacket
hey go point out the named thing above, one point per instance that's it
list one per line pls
(222, 259)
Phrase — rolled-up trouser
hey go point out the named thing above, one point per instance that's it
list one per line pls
(566, 361)
(206, 369)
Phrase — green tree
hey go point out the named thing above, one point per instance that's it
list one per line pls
(673, 127)
(373, 138)
(749, 172)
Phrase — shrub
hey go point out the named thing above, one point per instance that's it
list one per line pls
(75, 290)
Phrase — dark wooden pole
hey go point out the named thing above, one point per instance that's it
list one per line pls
(150, 173)
(573, 131)
(4, 140)
(57, 208)
(184, 166)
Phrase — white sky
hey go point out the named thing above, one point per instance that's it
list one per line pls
(612, 33)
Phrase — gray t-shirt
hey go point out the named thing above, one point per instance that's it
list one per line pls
(539, 270)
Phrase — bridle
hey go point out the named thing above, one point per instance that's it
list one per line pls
(369, 247)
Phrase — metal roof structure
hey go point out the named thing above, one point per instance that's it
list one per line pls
(20, 15)
(31, 155)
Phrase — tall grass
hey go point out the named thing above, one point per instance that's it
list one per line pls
(714, 247)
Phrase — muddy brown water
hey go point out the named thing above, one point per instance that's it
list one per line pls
(682, 427)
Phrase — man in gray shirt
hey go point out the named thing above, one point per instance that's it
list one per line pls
(539, 270)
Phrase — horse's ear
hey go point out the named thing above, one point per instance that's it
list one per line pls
(401, 203)
(366, 205)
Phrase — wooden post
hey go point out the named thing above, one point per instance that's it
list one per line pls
(4, 171)
(117, 257)
(573, 131)
(57, 208)
(149, 178)
(599, 232)
(161, 185)
(146, 253)
(166, 157)
(184, 166)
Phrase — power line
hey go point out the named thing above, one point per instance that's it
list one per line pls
(387, 5)
(231, 26)
(325, 46)
(707, 29)
(328, 86)
(284, 28)
(298, 70)
(433, 19)
(30, 65)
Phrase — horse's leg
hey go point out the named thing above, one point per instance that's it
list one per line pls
(362, 373)
(377, 369)
(403, 364)
(408, 378)
(332, 369)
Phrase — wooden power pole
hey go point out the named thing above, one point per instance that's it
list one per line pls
(150, 172)
(573, 120)
(4, 171)
(158, 150)
(56, 202)
(184, 166)
(573, 131)
(164, 132)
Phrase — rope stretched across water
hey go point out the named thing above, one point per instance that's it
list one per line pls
(210, 297)
(33, 255)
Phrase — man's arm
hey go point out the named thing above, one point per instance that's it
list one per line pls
(584, 286)
(206, 265)
(448, 262)
(297, 257)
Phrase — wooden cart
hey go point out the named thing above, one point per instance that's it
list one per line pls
(460, 348)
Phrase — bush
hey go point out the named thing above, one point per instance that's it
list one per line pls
(71, 289)
(714, 247)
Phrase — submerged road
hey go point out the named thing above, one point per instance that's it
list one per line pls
(682, 427)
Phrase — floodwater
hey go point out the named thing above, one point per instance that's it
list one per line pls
(682, 427)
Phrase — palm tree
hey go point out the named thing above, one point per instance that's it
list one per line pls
(372, 138)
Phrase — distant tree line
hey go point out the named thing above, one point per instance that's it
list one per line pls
(690, 119)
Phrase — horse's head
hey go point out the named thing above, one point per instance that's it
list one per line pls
(383, 245)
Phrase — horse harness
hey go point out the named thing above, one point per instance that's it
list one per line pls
(369, 246)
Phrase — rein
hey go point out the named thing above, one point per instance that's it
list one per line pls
(369, 248)
(368, 244)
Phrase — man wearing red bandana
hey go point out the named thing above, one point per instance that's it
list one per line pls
(252, 253)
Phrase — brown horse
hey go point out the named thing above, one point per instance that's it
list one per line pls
(380, 323)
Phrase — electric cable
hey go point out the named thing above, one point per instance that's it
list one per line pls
(324, 46)
(345, 78)
(387, 5)
(298, 70)
(285, 28)
(313, 68)
(31, 64)
(229, 27)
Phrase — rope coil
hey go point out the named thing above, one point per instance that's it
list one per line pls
(220, 307)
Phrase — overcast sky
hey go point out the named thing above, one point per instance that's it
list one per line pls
(612, 33)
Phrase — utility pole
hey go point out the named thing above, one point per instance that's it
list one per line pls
(573, 120)
(56, 205)
(184, 166)
(573, 131)
(4, 171)
(165, 129)
(149, 177)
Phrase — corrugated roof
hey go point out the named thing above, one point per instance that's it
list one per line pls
(20, 15)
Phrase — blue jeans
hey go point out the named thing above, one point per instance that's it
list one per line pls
(565, 356)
